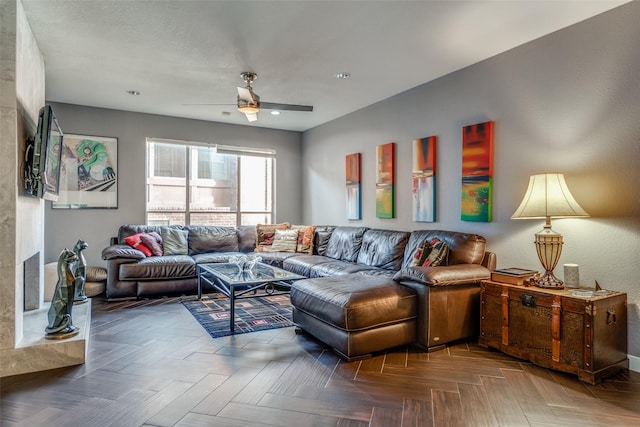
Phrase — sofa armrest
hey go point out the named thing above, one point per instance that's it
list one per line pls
(121, 251)
(489, 260)
(458, 274)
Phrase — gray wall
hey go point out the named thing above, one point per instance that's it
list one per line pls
(64, 227)
(568, 102)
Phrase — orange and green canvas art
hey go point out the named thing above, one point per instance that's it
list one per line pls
(477, 172)
(385, 181)
(353, 186)
(424, 179)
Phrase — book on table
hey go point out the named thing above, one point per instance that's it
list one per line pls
(512, 275)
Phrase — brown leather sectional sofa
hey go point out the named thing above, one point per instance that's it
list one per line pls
(444, 300)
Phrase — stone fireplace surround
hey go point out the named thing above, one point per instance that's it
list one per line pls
(23, 348)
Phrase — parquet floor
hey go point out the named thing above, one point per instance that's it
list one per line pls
(155, 366)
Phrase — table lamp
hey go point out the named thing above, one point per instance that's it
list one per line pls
(546, 197)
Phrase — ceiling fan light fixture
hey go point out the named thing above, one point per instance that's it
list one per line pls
(248, 108)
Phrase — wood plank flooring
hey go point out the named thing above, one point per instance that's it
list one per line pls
(154, 365)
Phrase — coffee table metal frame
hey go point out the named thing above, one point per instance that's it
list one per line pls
(229, 280)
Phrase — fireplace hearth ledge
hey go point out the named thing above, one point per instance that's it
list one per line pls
(35, 353)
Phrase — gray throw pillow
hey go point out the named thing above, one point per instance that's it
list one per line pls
(285, 241)
(175, 241)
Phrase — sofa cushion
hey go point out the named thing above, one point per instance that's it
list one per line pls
(301, 264)
(284, 241)
(354, 302)
(265, 234)
(175, 241)
(204, 239)
(383, 248)
(159, 267)
(344, 243)
(129, 230)
(321, 238)
(450, 275)
(247, 238)
(337, 268)
(275, 258)
(214, 257)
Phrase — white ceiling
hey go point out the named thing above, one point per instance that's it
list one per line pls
(177, 52)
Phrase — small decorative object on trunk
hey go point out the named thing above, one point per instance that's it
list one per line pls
(60, 322)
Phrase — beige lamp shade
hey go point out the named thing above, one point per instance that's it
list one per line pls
(548, 196)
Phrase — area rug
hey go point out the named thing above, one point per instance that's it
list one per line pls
(252, 314)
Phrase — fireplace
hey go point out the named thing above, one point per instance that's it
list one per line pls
(31, 281)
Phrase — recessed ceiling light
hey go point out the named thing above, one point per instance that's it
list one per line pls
(275, 113)
(342, 75)
(133, 92)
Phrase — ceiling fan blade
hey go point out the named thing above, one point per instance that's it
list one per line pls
(187, 105)
(252, 117)
(285, 107)
(246, 95)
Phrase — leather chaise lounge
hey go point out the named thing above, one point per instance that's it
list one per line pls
(362, 294)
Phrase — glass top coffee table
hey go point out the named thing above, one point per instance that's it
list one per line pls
(230, 280)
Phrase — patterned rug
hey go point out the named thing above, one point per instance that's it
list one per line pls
(252, 314)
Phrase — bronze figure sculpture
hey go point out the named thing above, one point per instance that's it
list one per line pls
(80, 271)
(60, 322)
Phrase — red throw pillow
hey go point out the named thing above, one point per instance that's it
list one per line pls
(135, 242)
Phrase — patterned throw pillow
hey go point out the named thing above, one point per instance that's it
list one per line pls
(420, 254)
(437, 254)
(305, 238)
(136, 243)
(175, 241)
(265, 234)
(284, 241)
(153, 241)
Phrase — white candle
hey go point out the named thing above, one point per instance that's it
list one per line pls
(571, 276)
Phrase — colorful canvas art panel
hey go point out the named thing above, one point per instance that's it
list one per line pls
(385, 175)
(353, 162)
(424, 179)
(477, 172)
(88, 177)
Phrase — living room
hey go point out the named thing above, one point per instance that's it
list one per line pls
(566, 102)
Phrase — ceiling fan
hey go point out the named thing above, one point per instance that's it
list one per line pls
(249, 103)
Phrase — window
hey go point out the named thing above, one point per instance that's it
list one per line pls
(198, 184)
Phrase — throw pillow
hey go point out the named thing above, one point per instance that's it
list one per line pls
(265, 234)
(285, 241)
(305, 238)
(437, 254)
(153, 241)
(136, 243)
(420, 254)
(175, 241)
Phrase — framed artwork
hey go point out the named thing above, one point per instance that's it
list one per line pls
(89, 173)
(353, 162)
(477, 172)
(424, 179)
(385, 174)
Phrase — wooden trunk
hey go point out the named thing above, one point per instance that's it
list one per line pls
(550, 328)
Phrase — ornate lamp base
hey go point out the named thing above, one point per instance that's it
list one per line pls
(547, 280)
